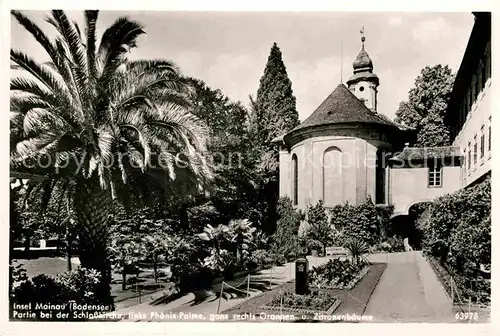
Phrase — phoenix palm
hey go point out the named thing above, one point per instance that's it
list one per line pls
(98, 121)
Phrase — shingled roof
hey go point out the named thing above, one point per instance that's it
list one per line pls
(423, 153)
(340, 107)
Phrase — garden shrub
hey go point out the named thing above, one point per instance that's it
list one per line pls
(335, 273)
(457, 233)
(259, 259)
(364, 221)
(79, 285)
(285, 239)
(314, 300)
(315, 245)
(319, 230)
(356, 249)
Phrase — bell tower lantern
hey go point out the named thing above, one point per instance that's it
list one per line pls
(364, 82)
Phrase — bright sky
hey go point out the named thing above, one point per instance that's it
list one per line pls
(229, 50)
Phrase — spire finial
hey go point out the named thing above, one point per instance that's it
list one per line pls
(362, 32)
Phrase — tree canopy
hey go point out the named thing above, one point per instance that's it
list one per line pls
(426, 106)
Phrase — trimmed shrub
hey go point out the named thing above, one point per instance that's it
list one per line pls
(319, 230)
(285, 239)
(457, 234)
(365, 221)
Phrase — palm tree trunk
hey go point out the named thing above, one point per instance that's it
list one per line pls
(93, 205)
(155, 268)
(124, 277)
(68, 249)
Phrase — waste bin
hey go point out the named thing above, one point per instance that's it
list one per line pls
(301, 280)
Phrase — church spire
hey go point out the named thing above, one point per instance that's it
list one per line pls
(363, 62)
(364, 82)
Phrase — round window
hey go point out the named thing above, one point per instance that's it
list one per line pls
(361, 88)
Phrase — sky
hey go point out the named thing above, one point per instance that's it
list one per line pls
(229, 50)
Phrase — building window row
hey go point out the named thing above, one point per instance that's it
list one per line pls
(476, 86)
(476, 150)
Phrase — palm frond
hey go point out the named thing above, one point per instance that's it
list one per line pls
(90, 23)
(122, 33)
(42, 39)
(39, 71)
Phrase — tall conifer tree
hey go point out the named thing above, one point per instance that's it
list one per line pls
(275, 104)
(274, 113)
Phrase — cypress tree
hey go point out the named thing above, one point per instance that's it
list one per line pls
(275, 104)
(274, 113)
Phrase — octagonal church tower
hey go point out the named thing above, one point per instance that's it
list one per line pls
(337, 153)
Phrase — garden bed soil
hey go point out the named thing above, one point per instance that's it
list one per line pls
(352, 301)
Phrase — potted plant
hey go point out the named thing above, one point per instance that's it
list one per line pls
(315, 247)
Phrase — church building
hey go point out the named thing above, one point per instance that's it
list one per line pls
(348, 151)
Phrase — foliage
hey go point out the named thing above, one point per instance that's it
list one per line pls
(457, 233)
(109, 128)
(357, 249)
(79, 285)
(314, 300)
(285, 239)
(335, 274)
(315, 245)
(259, 259)
(273, 113)
(449, 214)
(426, 106)
(188, 272)
(276, 111)
(319, 229)
(242, 233)
(364, 221)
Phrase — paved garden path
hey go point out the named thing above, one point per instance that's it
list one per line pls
(408, 291)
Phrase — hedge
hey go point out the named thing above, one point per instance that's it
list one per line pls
(457, 233)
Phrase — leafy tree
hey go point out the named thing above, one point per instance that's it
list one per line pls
(426, 106)
(100, 121)
(273, 113)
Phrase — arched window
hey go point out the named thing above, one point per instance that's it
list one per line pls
(333, 191)
(295, 185)
(380, 178)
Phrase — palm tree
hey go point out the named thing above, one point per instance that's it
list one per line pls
(242, 234)
(97, 121)
(357, 249)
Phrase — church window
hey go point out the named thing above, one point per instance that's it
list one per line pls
(332, 177)
(295, 173)
(435, 178)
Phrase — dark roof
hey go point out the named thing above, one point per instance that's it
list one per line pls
(341, 107)
(423, 153)
(368, 76)
(478, 40)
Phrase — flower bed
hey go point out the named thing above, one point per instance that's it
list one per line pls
(337, 274)
(315, 301)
